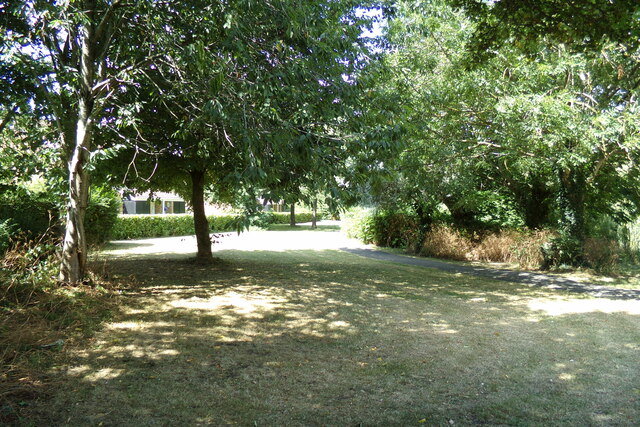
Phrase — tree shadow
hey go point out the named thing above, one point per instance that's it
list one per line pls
(323, 337)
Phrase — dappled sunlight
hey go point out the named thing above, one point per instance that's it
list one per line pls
(238, 303)
(559, 307)
(103, 374)
(297, 331)
(252, 241)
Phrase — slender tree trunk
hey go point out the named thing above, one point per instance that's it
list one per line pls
(314, 217)
(199, 217)
(74, 247)
(292, 215)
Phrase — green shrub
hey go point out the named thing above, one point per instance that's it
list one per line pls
(285, 217)
(383, 228)
(143, 226)
(7, 231)
(563, 250)
(359, 224)
(629, 238)
(101, 215)
(29, 267)
(395, 230)
(31, 213)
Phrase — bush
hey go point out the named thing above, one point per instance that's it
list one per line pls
(101, 215)
(143, 226)
(396, 230)
(521, 247)
(498, 247)
(562, 250)
(359, 224)
(285, 217)
(602, 254)
(7, 231)
(29, 212)
(442, 241)
(28, 268)
(528, 249)
(629, 238)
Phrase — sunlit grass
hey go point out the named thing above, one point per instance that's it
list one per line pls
(321, 337)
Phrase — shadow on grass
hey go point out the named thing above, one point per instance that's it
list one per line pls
(324, 337)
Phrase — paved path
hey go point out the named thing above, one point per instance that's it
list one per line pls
(534, 279)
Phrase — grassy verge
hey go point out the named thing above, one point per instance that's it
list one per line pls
(313, 337)
(37, 331)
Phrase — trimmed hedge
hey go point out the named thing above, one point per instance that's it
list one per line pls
(141, 226)
(283, 217)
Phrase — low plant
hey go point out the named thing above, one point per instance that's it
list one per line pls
(101, 215)
(562, 250)
(30, 212)
(284, 217)
(527, 251)
(39, 318)
(443, 241)
(144, 226)
(7, 231)
(602, 254)
(512, 246)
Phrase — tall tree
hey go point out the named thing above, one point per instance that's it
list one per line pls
(247, 92)
(83, 54)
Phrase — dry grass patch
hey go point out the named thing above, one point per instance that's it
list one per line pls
(327, 338)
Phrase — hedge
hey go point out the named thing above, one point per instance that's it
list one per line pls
(141, 226)
(284, 217)
(393, 229)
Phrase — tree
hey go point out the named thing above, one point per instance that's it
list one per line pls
(83, 55)
(583, 25)
(550, 130)
(253, 93)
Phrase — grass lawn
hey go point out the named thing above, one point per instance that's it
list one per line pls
(323, 337)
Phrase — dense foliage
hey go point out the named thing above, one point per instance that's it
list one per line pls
(543, 137)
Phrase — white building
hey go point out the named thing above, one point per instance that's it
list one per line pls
(160, 203)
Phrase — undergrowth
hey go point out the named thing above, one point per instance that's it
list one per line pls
(39, 319)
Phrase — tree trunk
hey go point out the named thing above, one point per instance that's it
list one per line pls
(199, 217)
(572, 202)
(74, 247)
(292, 215)
(314, 217)
(536, 204)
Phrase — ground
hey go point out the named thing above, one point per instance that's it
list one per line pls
(286, 329)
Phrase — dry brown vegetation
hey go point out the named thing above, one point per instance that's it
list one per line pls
(321, 337)
(39, 319)
(515, 247)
